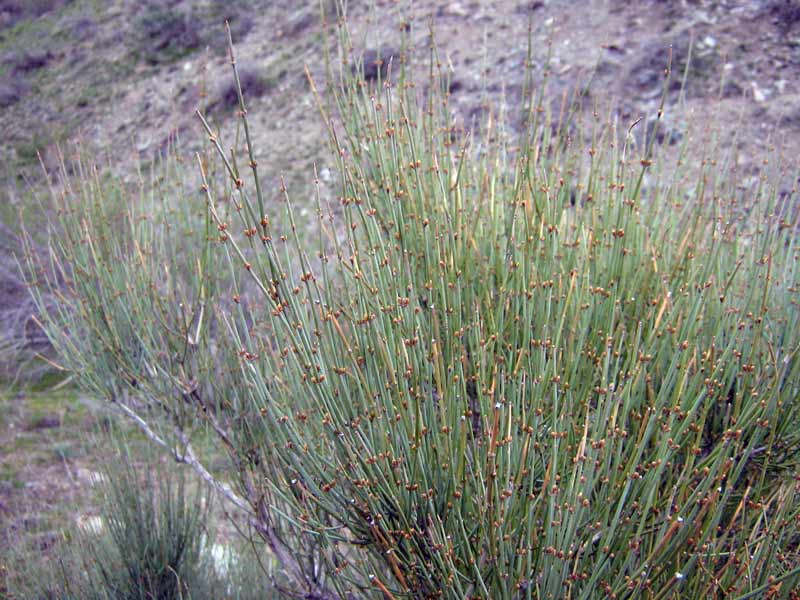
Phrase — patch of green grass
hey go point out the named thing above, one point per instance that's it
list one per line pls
(91, 95)
(28, 150)
(43, 30)
(9, 473)
(44, 424)
(49, 380)
(31, 447)
(67, 450)
(28, 145)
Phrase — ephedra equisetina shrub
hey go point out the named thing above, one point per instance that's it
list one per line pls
(539, 366)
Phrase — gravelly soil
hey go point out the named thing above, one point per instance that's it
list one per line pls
(95, 74)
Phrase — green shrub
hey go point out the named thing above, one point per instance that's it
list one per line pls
(157, 540)
(549, 366)
(155, 531)
(165, 34)
(147, 541)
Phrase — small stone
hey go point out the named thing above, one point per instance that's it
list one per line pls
(89, 477)
(46, 422)
(454, 9)
(759, 94)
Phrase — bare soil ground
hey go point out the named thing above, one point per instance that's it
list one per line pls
(124, 77)
(44, 468)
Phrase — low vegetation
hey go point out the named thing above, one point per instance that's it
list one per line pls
(152, 538)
